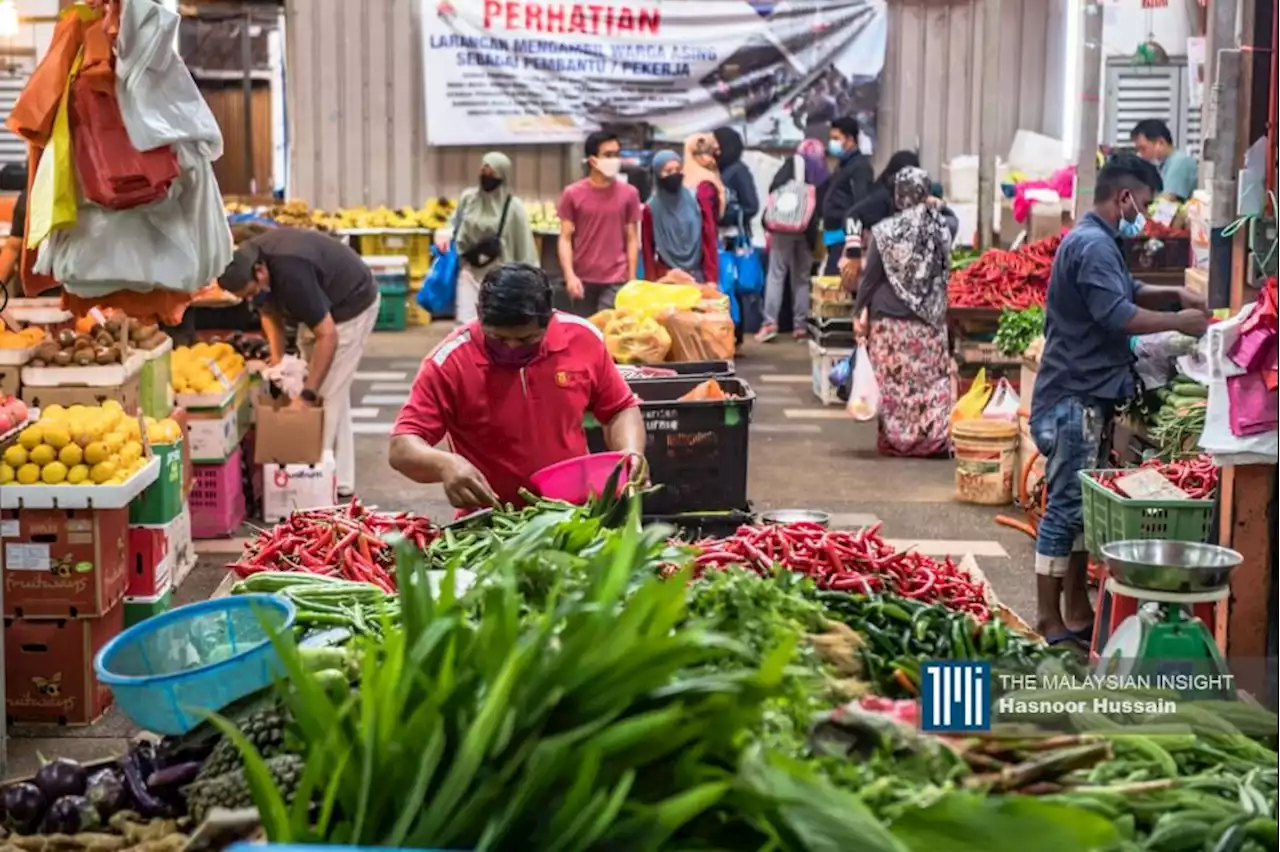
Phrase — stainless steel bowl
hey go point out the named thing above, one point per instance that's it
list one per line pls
(796, 516)
(1170, 566)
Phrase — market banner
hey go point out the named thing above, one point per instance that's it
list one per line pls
(503, 72)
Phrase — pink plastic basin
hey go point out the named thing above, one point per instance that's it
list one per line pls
(578, 480)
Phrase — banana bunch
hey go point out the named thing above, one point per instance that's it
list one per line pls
(543, 217)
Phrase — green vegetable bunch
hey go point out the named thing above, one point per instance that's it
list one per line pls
(1017, 330)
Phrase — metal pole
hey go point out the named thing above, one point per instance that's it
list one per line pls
(1090, 97)
(1225, 162)
(246, 59)
(988, 126)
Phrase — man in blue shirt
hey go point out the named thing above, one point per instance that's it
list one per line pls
(1092, 308)
(1178, 171)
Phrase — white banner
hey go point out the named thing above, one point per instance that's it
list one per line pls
(503, 72)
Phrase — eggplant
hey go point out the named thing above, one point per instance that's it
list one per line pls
(61, 777)
(107, 792)
(71, 815)
(135, 766)
(177, 775)
(24, 807)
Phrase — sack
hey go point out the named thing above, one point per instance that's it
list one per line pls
(789, 208)
(864, 393)
(1004, 403)
(113, 173)
(971, 405)
(488, 249)
(441, 285)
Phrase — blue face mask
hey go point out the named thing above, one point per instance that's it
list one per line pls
(834, 148)
(1131, 229)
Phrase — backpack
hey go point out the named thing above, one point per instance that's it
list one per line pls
(790, 207)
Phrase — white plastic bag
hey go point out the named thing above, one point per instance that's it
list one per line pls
(864, 394)
(1217, 437)
(1004, 403)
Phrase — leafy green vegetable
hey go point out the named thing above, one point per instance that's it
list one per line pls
(965, 822)
(1017, 329)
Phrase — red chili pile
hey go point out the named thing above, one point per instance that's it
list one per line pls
(846, 562)
(344, 541)
(1197, 476)
(1005, 279)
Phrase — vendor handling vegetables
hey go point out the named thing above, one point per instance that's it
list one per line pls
(1092, 308)
(509, 392)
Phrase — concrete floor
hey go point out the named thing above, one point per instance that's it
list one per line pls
(801, 455)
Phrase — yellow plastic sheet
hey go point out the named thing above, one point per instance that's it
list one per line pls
(652, 299)
(53, 193)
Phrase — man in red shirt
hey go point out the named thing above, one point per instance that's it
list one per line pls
(599, 242)
(509, 392)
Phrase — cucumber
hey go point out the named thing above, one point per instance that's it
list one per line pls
(1191, 389)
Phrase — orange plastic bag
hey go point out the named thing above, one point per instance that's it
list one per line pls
(708, 391)
(34, 112)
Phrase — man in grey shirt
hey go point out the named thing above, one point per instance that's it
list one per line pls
(314, 280)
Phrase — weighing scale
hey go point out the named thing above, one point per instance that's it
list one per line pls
(1163, 645)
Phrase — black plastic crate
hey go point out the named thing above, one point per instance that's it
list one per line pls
(692, 526)
(697, 451)
(831, 334)
(690, 369)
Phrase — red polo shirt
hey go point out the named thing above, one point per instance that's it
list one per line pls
(512, 423)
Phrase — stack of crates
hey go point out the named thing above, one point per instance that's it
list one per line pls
(392, 274)
(154, 522)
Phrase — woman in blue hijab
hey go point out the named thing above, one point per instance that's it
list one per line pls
(677, 232)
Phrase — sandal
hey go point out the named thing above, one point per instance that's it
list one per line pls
(1066, 638)
(766, 334)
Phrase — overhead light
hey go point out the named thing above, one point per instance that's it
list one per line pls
(8, 19)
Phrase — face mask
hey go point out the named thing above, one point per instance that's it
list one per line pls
(510, 357)
(260, 298)
(490, 182)
(671, 183)
(609, 167)
(1130, 228)
(835, 148)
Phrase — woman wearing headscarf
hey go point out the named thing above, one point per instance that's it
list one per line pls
(901, 315)
(490, 226)
(742, 201)
(791, 255)
(701, 176)
(677, 232)
(878, 204)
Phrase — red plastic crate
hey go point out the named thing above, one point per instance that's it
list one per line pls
(217, 499)
(150, 571)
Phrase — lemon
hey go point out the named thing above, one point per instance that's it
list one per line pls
(53, 413)
(71, 455)
(114, 441)
(28, 474)
(42, 455)
(31, 437)
(53, 473)
(77, 411)
(130, 453)
(56, 435)
(78, 474)
(6, 473)
(15, 456)
(102, 472)
(96, 453)
(131, 429)
(112, 406)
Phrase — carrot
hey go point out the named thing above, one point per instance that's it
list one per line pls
(904, 681)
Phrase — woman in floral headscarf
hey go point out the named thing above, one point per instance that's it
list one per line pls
(901, 315)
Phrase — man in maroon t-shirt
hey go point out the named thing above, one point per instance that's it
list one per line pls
(599, 228)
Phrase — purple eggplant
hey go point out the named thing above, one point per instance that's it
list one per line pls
(177, 775)
(24, 806)
(71, 815)
(61, 777)
(135, 766)
(107, 792)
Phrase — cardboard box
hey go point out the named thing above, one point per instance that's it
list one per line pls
(213, 435)
(9, 380)
(48, 668)
(126, 394)
(179, 416)
(287, 436)
(1196, 280)
(151, 561)
(298, 487)
(64, 563)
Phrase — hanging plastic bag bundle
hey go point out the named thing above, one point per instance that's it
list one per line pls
(864, 392)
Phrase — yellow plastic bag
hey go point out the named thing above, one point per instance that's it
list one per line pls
(651, 299)
(971, 405)
(53, 203)
(635, 339)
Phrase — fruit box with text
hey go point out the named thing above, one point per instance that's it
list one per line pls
(48, 667)
(64, 563)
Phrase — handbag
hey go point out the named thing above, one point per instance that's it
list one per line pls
(488, 249)
(441, 285)
(747, 268)
(789, 208)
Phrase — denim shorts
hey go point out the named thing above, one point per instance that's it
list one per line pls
(1073, 435)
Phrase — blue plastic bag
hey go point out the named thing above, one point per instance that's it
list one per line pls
(748, 268)
(841, 376)
(441, 285)
(728, 283)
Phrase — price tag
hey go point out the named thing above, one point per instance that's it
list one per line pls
(1165, 212)
(217, 373)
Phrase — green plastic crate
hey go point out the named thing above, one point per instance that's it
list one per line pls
(393, 312)
(138, 610)
(161, 501)
(155, 396)
(1111, 517)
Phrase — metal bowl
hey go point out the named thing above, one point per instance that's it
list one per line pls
(1170, 566)
(796, 516)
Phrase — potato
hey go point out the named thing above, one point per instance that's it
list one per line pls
(142, 332)
(66, 338)
(45, 351)
(103, 339)
(83, 341)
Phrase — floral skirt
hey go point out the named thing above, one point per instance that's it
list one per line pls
(914, 371)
